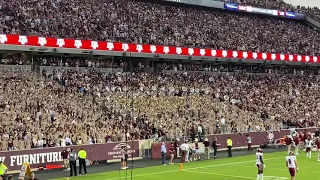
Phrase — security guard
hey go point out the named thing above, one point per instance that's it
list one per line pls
(229, 144)
(3, 170)
(82, 154)
(73, 162)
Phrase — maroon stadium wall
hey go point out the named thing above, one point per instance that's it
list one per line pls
(239, 140)
(46, 156)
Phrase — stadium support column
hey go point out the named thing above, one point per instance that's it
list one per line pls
(26, 58)
(29, 59)
(35, 63)
(145, 65)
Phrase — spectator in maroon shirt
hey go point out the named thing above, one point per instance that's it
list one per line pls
(177, 147)
(64, 155)
(299, 124)
(296, 140)
(172, 152)
(311, 123)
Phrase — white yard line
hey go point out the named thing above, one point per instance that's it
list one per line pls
(227, 164)
(282, 169)
(226, 175)
(195, 168)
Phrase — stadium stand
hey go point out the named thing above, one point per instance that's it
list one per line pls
(77, 102)
(152, 23)
(60, 106)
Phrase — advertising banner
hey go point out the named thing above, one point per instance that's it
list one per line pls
(269, 12)
(239, 140)
(231, 6)
(250, 9)
(45, 156)
(292, 15)
(15, 42)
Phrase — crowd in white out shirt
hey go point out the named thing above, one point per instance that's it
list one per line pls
(90, 107)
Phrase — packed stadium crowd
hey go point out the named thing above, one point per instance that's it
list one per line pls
(152, 23)
(235, 68)
(71, 107)
(68, 107)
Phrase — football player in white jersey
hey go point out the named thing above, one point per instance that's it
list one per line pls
(259, 164)
(308, 147)
(292, 165)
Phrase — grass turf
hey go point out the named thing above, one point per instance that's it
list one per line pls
(236, 168)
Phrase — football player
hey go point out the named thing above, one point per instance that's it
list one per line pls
(317, 142)
(292, 165)
(308, 147)
(260, 164)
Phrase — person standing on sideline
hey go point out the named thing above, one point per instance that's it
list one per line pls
(82, 154)
(215, 145)
(296, 141)
(64, 155)
(177, 147)
(73, 162)
(249, 142)
(206, 148)
(163, 153)
(3, 170)
(184, 150)
(124, 158)
(187, 152)
(229, 144)
(317, 133)
(288, 140)
(171, 151)
(196, 145)
(199, 132)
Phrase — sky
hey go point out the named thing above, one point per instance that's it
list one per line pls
(310, 3)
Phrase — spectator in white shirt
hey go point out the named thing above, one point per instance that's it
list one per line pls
(199, 131)
(183, 148)
(68, 141)
(40, 143)
(187, 153)
(223, 125)
(90, 141)
(63, 142)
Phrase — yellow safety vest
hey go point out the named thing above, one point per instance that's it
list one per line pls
(3, 169)
(229, 142)
(82, 154)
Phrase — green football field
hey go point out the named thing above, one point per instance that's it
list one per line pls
(236, 168)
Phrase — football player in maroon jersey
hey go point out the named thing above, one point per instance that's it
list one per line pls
(318, 147)
(296, 140)
(288, 141)
(302, 140)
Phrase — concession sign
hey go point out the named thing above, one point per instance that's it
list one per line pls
(239, 140)
(50, 156)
